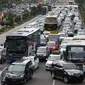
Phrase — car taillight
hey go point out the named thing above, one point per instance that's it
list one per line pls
(49, 25)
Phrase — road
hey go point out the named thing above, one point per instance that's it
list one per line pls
(43, 77)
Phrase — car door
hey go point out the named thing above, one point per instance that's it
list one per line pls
(58, 71)
(61, 72)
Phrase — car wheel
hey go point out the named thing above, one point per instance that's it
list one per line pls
(53, 76)
(31, 75)
(25, 81)
(65, 79)
(38, 65)
(81, 80)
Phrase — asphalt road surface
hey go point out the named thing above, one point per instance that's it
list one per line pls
(43, 77)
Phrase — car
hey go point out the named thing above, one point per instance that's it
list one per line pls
(66, 40)
(67, 71)
(46, 34)
(50, 60)
(43, 40)
(52, 45)
(62, 35)
(54, 37)
(19, 72)
(42, 52)
(34, 59)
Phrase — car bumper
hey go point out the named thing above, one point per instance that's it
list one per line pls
(47, 67)
(14, 81)
(41, 56)
(76, 78)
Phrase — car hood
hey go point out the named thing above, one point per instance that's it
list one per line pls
(52, 47)
(75, 71)
(39, 53)
(49, 62)
(14, 74)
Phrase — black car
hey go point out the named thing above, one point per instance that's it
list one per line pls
(19, 72)
(67, 71)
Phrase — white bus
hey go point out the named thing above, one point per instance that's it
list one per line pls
(75, 52)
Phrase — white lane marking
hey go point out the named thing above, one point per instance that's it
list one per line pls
(53, 82)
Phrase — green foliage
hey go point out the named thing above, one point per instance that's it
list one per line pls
(25, 15)
(9, 20)
(17, 19)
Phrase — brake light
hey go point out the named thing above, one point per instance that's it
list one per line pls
(49, 25)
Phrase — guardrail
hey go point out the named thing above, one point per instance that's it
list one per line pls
(2, 75)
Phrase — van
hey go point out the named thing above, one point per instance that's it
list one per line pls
(42, 52)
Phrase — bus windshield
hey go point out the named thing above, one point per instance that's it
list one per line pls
(16, 45)
(76, 56)
(51, 20)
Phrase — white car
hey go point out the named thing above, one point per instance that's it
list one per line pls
(66, 40)
(62, 35)
(35, 61)
(50, 60)
(42, 52)
(43, 40)
(46, 34)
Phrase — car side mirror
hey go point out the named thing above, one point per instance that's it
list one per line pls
(6, 68)
(61, 68)
(46, 59)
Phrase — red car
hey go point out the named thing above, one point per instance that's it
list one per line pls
(52, 45)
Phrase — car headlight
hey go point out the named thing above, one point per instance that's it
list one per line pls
(21, 76)
(70, 73)
(7, 75)
(44, 55)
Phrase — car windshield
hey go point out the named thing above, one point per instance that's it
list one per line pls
(69, 66)
(16, 68)
(41, 50)
(51, 44)
(51, 20)
(63, 46)
(53, 58)
(77, 55)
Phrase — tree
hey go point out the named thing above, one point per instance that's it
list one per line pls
(10, 20)
(25, 15)
(17, 19)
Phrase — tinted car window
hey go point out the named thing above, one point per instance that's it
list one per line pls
(16, 68)
(70, 66)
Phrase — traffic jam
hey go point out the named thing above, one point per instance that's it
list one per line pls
(58, 39)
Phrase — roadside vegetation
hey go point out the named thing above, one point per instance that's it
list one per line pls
(11, 20)
(81, 4)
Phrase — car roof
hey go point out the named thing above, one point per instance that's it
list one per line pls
(22, 62)
(62, 62)
(42, 47)
(51, 42)
(54, 55)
